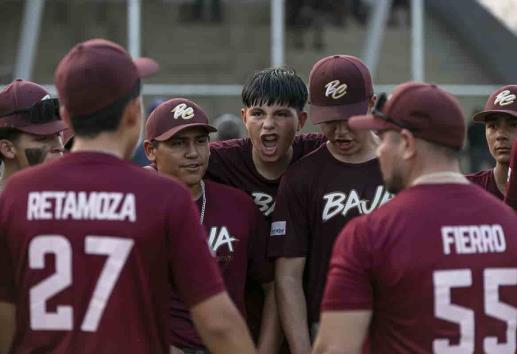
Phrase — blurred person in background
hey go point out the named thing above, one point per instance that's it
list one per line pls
(479, 155)
(229, 126)
(30, 127)
(500, 119)
(140, 157)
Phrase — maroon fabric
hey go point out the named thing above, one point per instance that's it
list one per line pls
(502, 100)
(317, 196)
(486, 180)
(401, 262)
(174, 115)
(96, 73)
(168, 248)
(429, 112)
(231, 164)
(21, 94)
(510, 196)
(339, 87)
(230, 217)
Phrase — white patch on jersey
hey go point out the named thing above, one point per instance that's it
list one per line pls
(278, 228)
(219, 237)
(338, 203)
(335, 89)
(46, 97)
(183, 111)
(264, 201)
(505, 98)
(470, 239)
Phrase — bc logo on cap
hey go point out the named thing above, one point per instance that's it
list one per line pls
(183, 111)
(335, 89)
(505, 98)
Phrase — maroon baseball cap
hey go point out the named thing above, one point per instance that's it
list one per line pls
(340, 86)
(503, 100)
(173, 116)
(96, 74)
(426, 110)
(28, 107)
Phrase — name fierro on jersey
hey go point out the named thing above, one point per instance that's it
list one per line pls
(470, 239)
(54, 205)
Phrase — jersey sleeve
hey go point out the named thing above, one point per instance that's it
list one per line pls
(348, 280)
(6, 265)
(289, 235)
(260, 266)
(510, 197)
(194, 270)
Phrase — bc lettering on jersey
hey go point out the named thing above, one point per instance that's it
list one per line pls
(338, 203)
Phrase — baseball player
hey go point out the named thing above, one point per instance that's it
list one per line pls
(500, 119)
(88, 254)
(321, 192)
(510, 195)
(274, 101)
(435, 269)
(29, 127)
(177, 137)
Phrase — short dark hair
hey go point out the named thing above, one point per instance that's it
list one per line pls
(275, 86)
(107, 119)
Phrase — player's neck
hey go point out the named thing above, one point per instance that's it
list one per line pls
(10, 167)
(105, 143)
(501, 175)
(438, 173)
(275, 169)
(196, 191)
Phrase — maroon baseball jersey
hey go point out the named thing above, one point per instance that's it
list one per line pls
(90, 246)
(231, 164)
(318, 195)
(236, 236)
(437, 265)
(486, 180)
(510, 196)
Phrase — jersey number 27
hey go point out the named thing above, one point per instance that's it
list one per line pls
(117, 250)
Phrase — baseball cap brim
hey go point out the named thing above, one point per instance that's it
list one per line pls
(481, 116)
(48, 128)
(146, 67)
(369, 122)
(171, 132)
(322, 114)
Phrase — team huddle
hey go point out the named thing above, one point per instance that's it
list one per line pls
(364, 238)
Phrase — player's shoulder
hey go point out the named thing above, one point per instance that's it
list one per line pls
(306, 164)
(230, 146)
(309, 139)
(480, 175)
(229, 194)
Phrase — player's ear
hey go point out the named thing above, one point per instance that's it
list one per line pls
(371, 103)
(133, 112)
(302, 118)
(7, 149)
(149, 150)
(243, 115)
(408, 142)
